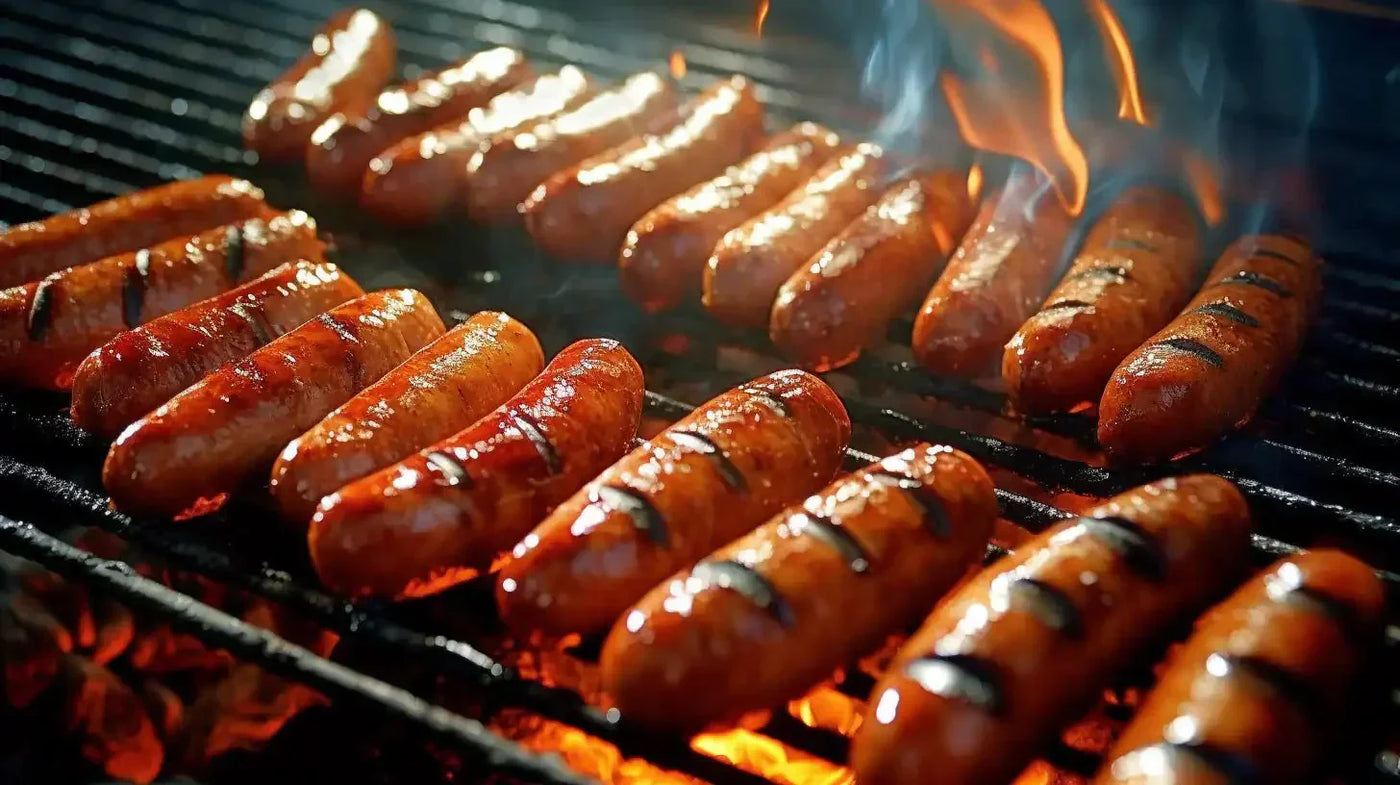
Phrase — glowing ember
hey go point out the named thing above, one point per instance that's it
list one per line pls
(677, 64)
(1205, 185)
(1119, 54)
(1027, 120)
(582, 752)
(829, 709)
(974, 181)
(771, 759)
(760, 17)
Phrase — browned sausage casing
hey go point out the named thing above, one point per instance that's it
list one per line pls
(1209, 369)
(421, 178)
(1133, 273)
(764, 618)
(142, 368)
(351, 59)
(1255, 692)
(342, 147)
(31, 251)
(712, 476)
(441, 516)
(1025, 647)
(663, 260)
(999, 275)
(225, 431)
(451, 383)
(47, 328)
(751, 262)
(583, 213)
(845, 299)
(506, 168)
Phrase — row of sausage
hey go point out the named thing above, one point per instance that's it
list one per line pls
(805, 234)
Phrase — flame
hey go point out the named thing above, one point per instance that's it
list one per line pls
(760, 17)
(677, 64)
(828, 709)
(771, 759)
(993, 115)
(1119, 54)
(1205, 185)
(581, 752)
(974, 182)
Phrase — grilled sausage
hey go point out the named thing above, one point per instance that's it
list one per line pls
(1133, 273)
(350, 61)
(342, 147)
(441, 516)
(1254, 692)
(419, 179)
(226, 430)
(750, 263)
(583, 213)
(1208, 370)
(447, 386)
(714, 475)
(31, 251)
(1025, 647)
(999, 275)
(47, 328)
(142, 368)
(764, 618)
(832, 309)
(507, 167)
(663, 260)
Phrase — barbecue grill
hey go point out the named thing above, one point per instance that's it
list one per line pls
(105, 97)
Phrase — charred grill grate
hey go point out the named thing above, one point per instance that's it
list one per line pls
(140, 91)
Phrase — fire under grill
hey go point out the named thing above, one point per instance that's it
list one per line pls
(106, 97)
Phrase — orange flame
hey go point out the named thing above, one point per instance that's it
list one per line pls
(771, 759)
(678, 64)
(760, 17)
(1119, 54)
(583, 753)
(974, 182)
(827, 708)
(1205, 185)
(1028, 123)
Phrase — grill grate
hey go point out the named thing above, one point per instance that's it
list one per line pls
(128, 93)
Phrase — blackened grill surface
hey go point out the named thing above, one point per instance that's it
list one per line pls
(108, 96)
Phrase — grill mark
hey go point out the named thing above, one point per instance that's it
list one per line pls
(838, 538)
(1228, 311)
(531, 428)
(1065, 305)
(1196, 348)
(747, 583)
(1269, 253)
(235, 252)
(935, 515)
(1258, 281)
(1232, 767)
(702, 445)
(1341, 614)
(1117, 273)
(134, 278)
(1131, 244)
(334, 325)
(1138, 549)
(645, 517)
(1047, 604)
(774, 402)
(449, 467)
(41, 308)
(256, 320)
(1283, 683)
(961, 677)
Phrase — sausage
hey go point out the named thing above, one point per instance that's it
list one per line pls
(583, 213)
(1026, 646)
(31, 251)
(663, 260)
(1133, 273)
(1256, 690)
(350, 61)
(447, 386)
(507, 167)
(47, 328)
(421, 178)
(342, 147)
(1000, 273)
(443, 515)
(751, 262)
(844, 301)
(764, 618)
(225, 431)
(714, 475)
(1209, 369)
(142, 368)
